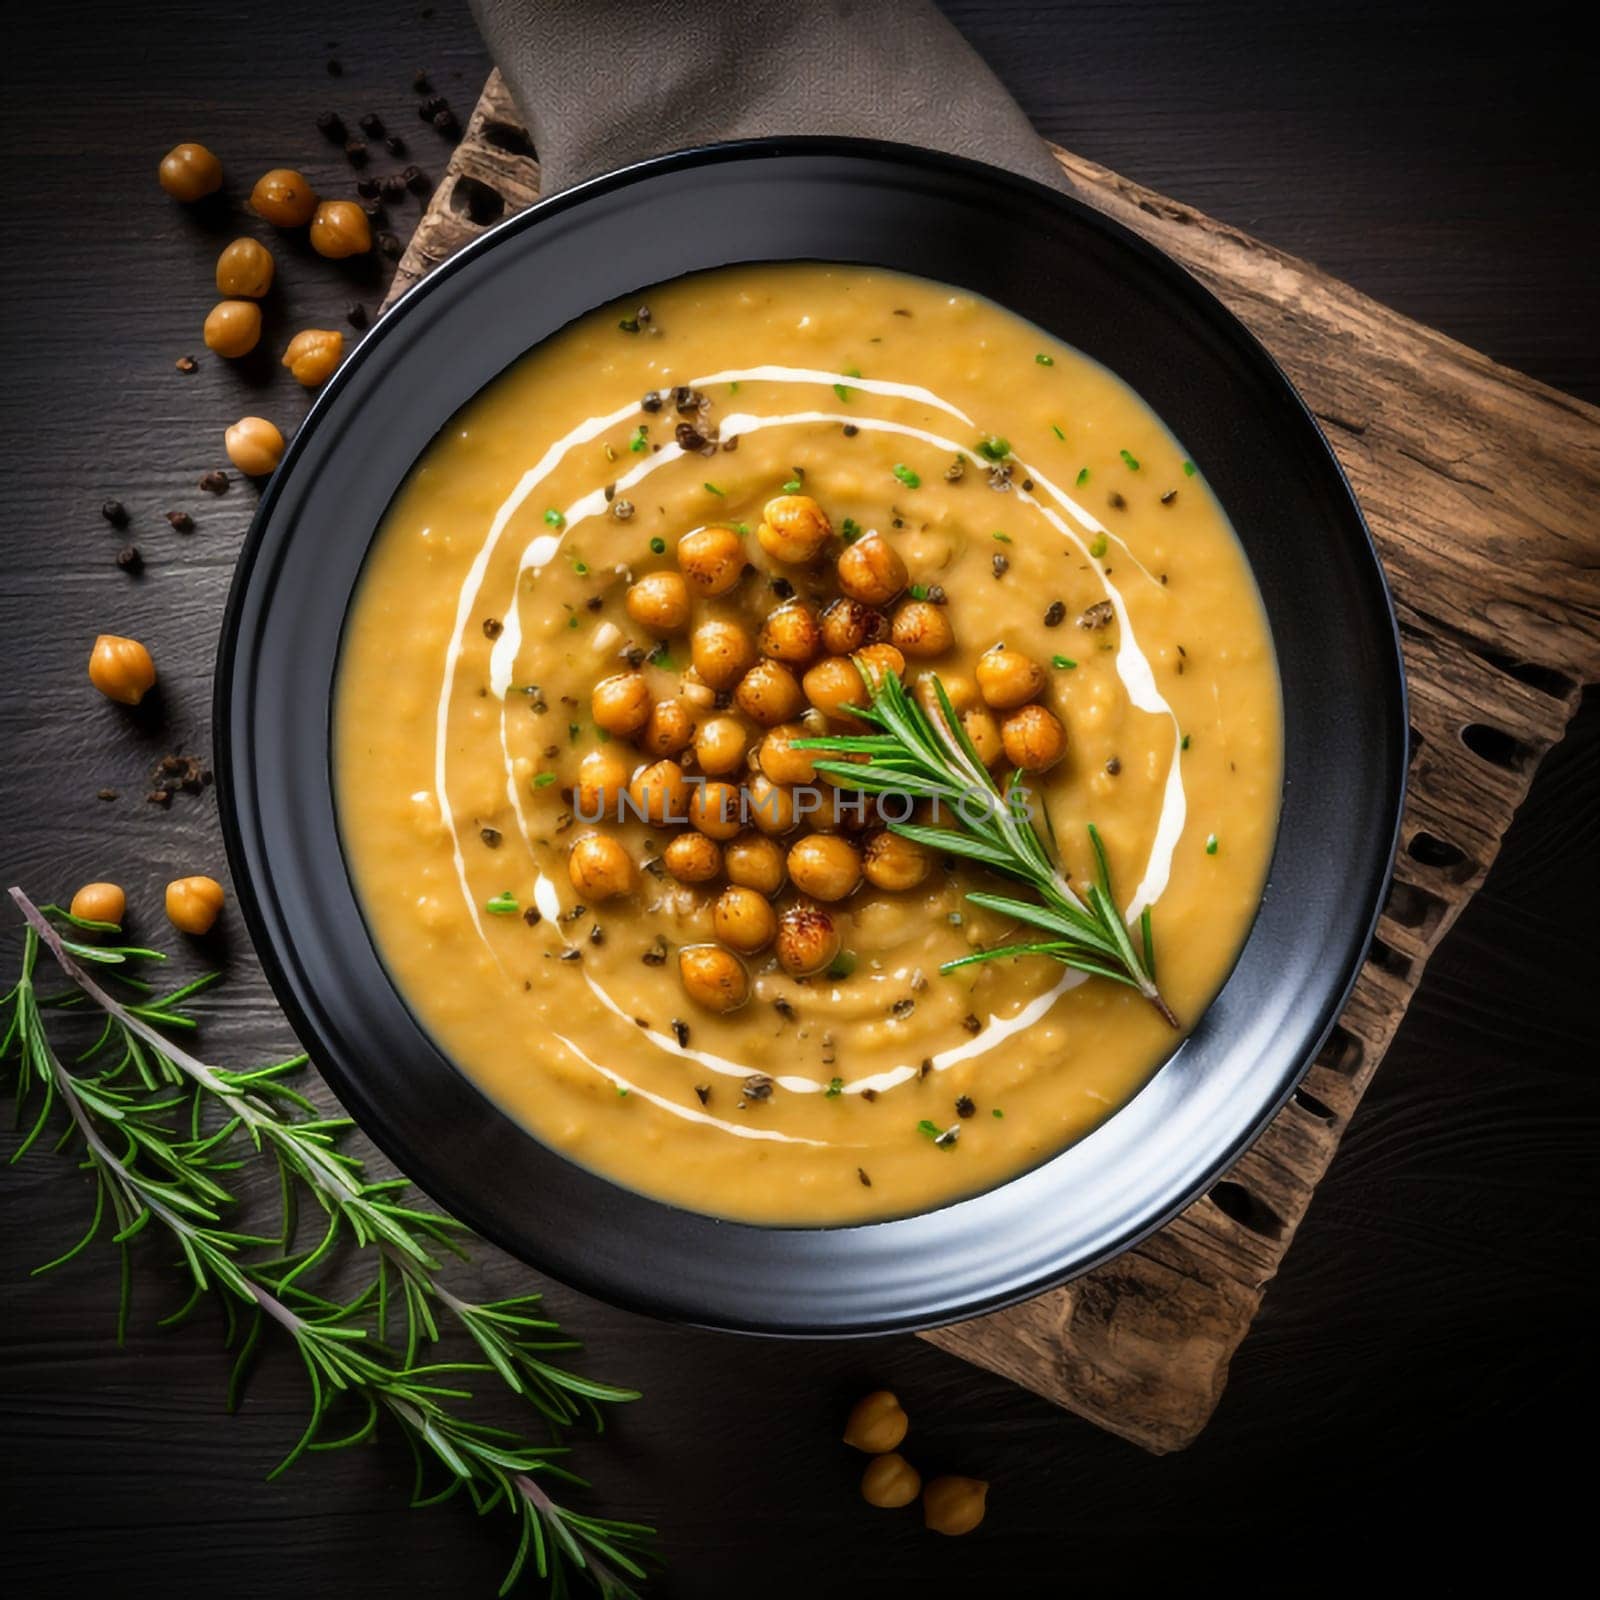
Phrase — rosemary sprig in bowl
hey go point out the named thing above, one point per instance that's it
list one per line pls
(162, 1132)
(929, 757)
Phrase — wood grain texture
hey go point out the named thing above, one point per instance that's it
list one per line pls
(1479, 486)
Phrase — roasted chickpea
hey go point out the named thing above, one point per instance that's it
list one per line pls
(659, 601)
(602, 780)
(1008, 678)
(720, 745)
(894, 863)
(744, 920)
(954, 1505)
(244, 270)
(961, 692)
(1033, 738)
(791, 633)
(189, 172)
(824, 866)
(599, 867)
(847, 625)
(233, 328)
(670, 728)
(339, 229)
(660, 793)
(194, 904)
(834, 684)
(713, 977)
(693, 858)
(313, 355)
(722, 652)
(711, 559)
(877, 1423)
(121, 669)
(770, 806)
(284, 198)
(754, 861)
(769, 694)
(621, 703)
(890, 1482)
(714, 809)
(922, 630)
(808, 940)
(880, 661)
(254, 446)
(99, 902)
(793, 528)
(778, 758)
(984, 732)
(871, 570)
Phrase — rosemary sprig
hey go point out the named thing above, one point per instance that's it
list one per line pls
(929, 757)
(141, 1109)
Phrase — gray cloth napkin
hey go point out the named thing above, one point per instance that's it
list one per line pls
(606, 82)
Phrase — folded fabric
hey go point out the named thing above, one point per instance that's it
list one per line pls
(603, 83)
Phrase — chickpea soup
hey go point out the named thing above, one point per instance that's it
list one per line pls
(807, 745)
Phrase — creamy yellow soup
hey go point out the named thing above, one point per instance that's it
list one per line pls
(1041, 504)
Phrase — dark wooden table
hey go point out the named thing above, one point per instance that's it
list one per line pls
(1417, 1367)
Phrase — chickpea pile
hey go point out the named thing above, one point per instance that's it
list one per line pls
(878, 1425)
(745, 699)
(718, 754)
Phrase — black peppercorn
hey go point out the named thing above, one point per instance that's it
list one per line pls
(372, 125)
(331, 126)
(367, 188)
(394, 144)
(115, 513)
(394, 187)
(356, 152)
(181, 520)
(356, 314)
(1054, 615)
(419, 81)
(129, 559)
(651, 401)
(215, 482)
(389, 245)
(186, 364)
(416, 180)
(335, 69)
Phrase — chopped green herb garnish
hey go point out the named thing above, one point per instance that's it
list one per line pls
(1098, 548)
(1062, 663)
(919, 591)
(1083, 476)
(956, 919)
(907, 476)
(742, 529)
(1129, 460)
(572, 621)
(842, 964)
(581, 568)
(1211, 844)
(930, 1130)
(602, 736)
(997, 1112)
(622, 1091)
(662, 658)
(711, 488)
(733, 388)
(1184, 745)
(834, 1090)
(543, 780)
(629, 324)
(502, 905)
(1044, 360)
(850, 530)
(1189, 469)
(1004, 538)
(844, 391)
(573, 730)
(636, 440)
(792, 486)
(1055, 429)
(993, 448)
(554, 518)
(658, 546)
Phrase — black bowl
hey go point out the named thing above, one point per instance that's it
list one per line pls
(1089, 283)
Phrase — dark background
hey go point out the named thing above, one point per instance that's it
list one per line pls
(1408, 1402)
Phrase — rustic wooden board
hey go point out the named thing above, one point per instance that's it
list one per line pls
(1480, 487)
